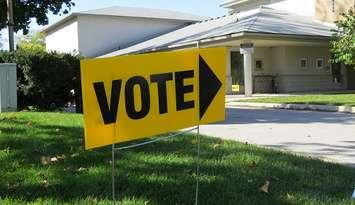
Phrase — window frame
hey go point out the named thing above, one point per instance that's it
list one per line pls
(300, 63)
(262, 64)
(316, 63)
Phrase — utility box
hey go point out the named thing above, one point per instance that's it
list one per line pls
(8, 89)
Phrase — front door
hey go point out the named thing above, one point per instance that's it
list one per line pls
(237, 72)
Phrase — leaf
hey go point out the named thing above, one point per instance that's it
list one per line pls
(253, 165)
(265, 187)
(54, 159)
(81, 169)
(29, 124)
(290, 196)
(45, 183)
(215, 146)
(45, 160)
(74, 155)
(6, 150)
(61, 157)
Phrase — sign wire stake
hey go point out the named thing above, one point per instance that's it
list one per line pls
(197, 164)
(114, 149)
(113, 174)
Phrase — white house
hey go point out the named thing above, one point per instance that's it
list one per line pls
(274, 45)
(96, 32)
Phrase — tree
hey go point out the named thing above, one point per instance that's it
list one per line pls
(32, 43)
(343, 40)
(24, 11)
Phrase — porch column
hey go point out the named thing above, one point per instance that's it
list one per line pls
(247, 49)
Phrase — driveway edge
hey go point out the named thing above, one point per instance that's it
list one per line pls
(323, 108)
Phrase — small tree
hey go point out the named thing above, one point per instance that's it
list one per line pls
(32, 43)
(343, 40)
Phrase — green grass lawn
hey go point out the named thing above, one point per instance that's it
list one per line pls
(320, 99)
(162, 173)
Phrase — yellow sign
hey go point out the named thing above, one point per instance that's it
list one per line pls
(131, 97)
(235, 88)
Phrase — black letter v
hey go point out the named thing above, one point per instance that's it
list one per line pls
(109, 114)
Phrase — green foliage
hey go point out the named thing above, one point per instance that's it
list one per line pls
(343, 40)
(32, 43)
(44, 80)
(25, 10)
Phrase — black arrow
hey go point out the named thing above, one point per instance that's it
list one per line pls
(209, 85)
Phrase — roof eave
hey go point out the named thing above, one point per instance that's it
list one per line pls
(74, 15)
(236, 36)
(57, 24)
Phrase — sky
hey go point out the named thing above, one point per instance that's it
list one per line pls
(208, 8)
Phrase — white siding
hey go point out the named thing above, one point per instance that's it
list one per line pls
(64, 39)
(99, 35)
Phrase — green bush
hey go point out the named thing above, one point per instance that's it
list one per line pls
(44, 80)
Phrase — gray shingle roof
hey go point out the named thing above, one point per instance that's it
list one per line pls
(144, 13)
(262, 20)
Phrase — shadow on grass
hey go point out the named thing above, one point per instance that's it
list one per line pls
(161, 173)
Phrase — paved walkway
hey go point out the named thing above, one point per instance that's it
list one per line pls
(321, 134)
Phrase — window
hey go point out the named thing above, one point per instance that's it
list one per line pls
(319, 63)
(259, 65)
(303, 63)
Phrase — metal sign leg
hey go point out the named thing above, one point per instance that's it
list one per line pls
(114, 149)
(197, 165)
(113, 175)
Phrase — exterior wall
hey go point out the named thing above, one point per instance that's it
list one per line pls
(242, 5)
(8, 89)
(322, 10)
(262, 79)
(326, 12)
(302, 7)
(292, 78)
(65, 39)
(99, 35)
(281, 68)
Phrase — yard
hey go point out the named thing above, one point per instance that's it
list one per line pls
(43, 162)
(317, 99)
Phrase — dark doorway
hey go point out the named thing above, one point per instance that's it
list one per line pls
(237, 72)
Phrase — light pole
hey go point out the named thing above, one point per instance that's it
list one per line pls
(10, 17)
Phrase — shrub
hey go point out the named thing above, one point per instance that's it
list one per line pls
(44, 80)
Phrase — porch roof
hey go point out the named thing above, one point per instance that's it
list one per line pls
(263, 20)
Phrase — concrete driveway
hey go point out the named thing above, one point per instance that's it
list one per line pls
(330, 136)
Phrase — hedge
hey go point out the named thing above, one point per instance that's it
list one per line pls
(44, 80)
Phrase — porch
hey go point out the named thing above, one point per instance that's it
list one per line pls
(281, 65)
